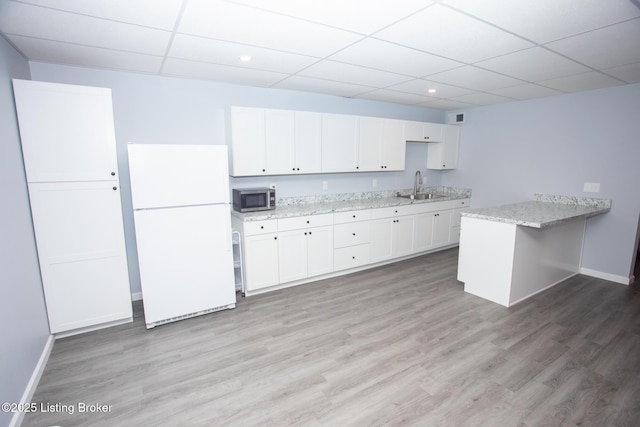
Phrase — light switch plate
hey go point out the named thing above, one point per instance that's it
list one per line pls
(591, 187)
(325, 185)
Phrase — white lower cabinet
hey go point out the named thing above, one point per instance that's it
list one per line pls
(287, 250)
(392, 237)
(305, 247)
(260, 249)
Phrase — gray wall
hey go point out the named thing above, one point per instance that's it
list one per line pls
(554, 145)
(153, 109)
(24, 329)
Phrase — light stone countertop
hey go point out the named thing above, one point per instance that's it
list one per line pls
(315, 205)
(545, 211)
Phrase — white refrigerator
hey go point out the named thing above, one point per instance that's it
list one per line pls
(182, 219)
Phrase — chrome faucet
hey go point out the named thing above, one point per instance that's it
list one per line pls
(417, 181)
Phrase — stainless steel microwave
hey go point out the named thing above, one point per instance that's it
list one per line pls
(254, 199)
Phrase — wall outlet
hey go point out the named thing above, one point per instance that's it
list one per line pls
(374, 183)
(591, 187)
(325, 185)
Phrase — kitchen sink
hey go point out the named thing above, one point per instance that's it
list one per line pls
(421, 196)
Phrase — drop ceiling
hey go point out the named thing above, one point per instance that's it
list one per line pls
(447, 54)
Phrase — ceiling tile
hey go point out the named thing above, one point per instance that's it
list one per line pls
(451, 34)
(362, 16)
(44, 23)
(629, 73)
(242, 24)
(86, 56)
(447, 104)
(604, 48)
(202, 70)
(139, 12)
(347, 73)
(387, 95)
(476, 78)
(387, 56)
(579, 82)
(481, 98)
(525, 91)
(226, 53)
(543, 21)
(533, 65)
(324, 86)
(421, 87)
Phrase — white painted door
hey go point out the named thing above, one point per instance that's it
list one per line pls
(381, 239)
(261, 261)
(442, 228)
(424, 231)
(280, 142)
(292, 255)
(393, 146)
(78, 228)
(308, 142)
(370, 144)
(339, 143)
(402, 236)
(319, 251)
(67, 132)
(248, 142)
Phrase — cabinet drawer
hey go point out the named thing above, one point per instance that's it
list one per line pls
(351, 216)
(301, 222)
(350, 257)
(356, 233)
(260, 227)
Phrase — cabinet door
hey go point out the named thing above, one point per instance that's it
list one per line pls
(433, 132)
(248, 142)
(444, 155)
(370, 144)
(67, 132)
(78, 228)
(308, 142)
(292, 253)
(279, 141)
(402, 236)
(413, 131)
(339, 143)
(393, 146)
(319, 251)
(261, 261)
(442, 228)
(381, 239)
(424, 231)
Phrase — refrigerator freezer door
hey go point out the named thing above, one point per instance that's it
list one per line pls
(186, 261)
(164, 175)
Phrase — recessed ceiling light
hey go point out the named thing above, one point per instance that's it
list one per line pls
(245, 58)
(432, 90)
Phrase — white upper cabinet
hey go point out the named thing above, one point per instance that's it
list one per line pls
(340, 143)
(444, 155)
(247, 146)
(422, 132)
(69, 129)
(284, 142)
(380, 146)
(308, 140)
(274, 142)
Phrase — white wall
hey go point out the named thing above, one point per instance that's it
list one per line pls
(554, 145)
(154, 109)
(25, 331)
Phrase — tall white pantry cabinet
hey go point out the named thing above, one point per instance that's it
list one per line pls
(69, 151)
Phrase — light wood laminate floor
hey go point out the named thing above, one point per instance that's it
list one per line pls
(399, 344)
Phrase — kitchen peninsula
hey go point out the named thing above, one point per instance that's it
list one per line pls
(511, 252)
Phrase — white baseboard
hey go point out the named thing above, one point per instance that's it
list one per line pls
(18, 417)
(607, 276)
(136, 296)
